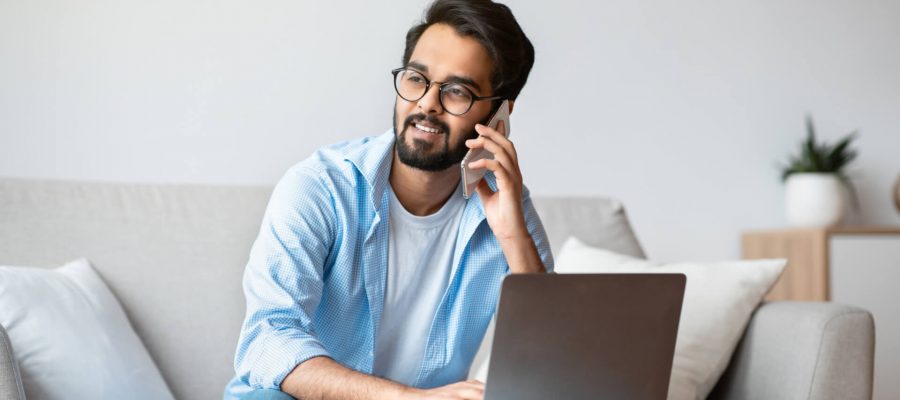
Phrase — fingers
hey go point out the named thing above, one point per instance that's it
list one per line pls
(471, 390)
(476, 383)
(466, 390)
(485, 130)
(504, 165)
(498, 137)
(499, 153)
(494, 166)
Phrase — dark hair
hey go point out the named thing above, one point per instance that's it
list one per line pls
(494, 26)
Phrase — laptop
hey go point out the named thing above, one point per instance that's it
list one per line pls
(585, 336)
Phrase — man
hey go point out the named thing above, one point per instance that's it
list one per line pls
(372, 277)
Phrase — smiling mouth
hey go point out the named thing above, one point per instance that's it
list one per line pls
(427, 129)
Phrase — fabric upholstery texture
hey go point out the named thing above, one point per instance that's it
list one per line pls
(597, 221)
(72, 338)
(10, 380)
(172, 254)
(140, 236)
(802, 350)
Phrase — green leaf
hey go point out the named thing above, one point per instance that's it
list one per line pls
(811, 154)
(820, 157)
(841, 155)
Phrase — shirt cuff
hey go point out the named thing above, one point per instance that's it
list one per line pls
(280, 354)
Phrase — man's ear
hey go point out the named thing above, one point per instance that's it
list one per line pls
(511, 103)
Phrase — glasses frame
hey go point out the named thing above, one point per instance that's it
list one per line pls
(428, 83)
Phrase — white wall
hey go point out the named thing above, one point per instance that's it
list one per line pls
(680, 109)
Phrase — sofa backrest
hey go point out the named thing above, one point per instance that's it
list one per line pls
(174, 256)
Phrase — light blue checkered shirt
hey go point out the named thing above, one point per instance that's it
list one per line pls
(315, 279)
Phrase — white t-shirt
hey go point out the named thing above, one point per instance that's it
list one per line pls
(420, 260)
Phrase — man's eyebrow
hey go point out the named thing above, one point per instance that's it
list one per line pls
(465, 80)
(415, 65)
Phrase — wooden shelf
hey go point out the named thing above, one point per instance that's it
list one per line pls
(807, 275)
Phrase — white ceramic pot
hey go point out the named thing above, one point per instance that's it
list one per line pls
(814, 200)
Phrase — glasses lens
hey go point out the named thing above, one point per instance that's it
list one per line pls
(410, 85)
(456, 98)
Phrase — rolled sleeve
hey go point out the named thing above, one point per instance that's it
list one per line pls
(279, 354)
(283, 280)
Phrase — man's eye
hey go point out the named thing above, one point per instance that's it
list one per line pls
(415, 79)
(457, 92)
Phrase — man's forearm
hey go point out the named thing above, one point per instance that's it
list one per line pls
(522, 256)
(322, 378)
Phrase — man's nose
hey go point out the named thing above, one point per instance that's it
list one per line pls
(430, 103)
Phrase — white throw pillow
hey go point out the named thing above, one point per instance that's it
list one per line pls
(718, 301)
(71, 337)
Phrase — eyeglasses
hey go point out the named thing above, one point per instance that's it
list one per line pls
(455, 98)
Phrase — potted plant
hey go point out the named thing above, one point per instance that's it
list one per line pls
(816, 182)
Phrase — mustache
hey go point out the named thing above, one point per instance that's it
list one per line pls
(431, 119)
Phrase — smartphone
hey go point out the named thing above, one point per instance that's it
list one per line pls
(471, 177)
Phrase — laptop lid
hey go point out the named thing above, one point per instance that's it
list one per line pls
(585, 336)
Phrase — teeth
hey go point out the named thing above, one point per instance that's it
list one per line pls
(426, 129)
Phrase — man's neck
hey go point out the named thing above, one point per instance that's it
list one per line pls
(422, 192)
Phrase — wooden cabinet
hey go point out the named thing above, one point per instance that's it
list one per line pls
(858, 266)
(809, 252)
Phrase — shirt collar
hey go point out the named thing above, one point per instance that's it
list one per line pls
(373, 160)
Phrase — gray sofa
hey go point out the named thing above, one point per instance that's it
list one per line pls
(174, 256)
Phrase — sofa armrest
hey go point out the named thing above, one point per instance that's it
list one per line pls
(802, 350)
(10, 380)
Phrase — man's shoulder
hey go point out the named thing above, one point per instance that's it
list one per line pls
(337, 165)
(340, 156)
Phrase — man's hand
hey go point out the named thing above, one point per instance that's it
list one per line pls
(324, 378)
(468, 390)
(504, 209)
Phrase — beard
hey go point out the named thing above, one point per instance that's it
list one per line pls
(429, 156)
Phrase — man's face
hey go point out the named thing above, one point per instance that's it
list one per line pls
(442, 55)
